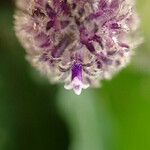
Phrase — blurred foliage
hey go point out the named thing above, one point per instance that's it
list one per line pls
(36, 115)
(28, 116)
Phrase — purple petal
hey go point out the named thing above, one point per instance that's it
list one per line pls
(60, 48)
(50, 12)
(49, 25)
(77, 71)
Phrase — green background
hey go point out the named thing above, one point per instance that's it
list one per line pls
(35, 115)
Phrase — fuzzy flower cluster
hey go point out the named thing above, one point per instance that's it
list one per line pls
(77, 42)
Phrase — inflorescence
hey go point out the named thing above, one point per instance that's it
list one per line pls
(77, 42)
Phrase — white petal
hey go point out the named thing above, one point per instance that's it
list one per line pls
(77, 90)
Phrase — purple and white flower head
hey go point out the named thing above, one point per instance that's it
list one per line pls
(78, 42)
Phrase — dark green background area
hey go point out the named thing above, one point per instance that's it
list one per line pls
(28, 116)
(36, 115)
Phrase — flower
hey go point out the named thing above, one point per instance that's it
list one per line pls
(76, 79)
(78, 42)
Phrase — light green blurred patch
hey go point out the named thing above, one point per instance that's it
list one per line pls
(82, 118)
(128, 98)
(140, 61)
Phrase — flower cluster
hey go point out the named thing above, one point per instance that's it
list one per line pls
(77, 42)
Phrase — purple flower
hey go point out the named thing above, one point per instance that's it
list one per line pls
(78, 42)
